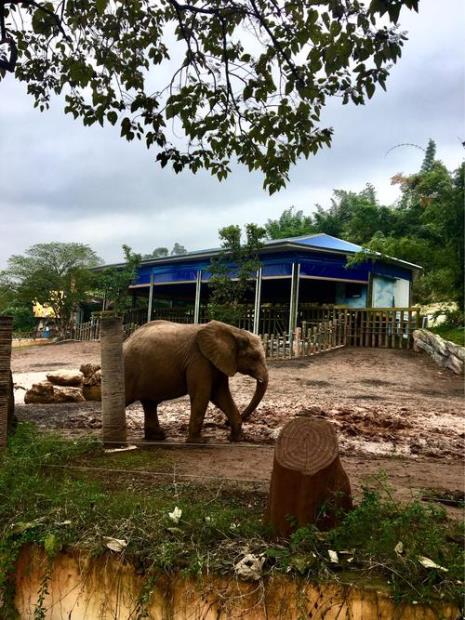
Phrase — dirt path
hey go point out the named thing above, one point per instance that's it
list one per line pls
(394, 411)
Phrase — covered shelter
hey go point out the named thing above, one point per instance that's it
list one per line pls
(296, 275)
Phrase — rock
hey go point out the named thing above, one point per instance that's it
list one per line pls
(67, 394)
(445, 353)
(455, 364)
(40, 393)
(89, 369)
(92, 392)
(65, 377)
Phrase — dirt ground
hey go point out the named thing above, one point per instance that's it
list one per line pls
(394, 411)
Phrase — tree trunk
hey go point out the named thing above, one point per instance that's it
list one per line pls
(113, 401)
(6, 328)
(308, 483)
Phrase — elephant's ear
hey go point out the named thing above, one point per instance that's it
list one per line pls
(217, 342)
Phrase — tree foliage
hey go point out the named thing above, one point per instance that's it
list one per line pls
(291, 223)
(242, 80)
(240, 260)
(425, 226)
(112, 283)
(56, 274)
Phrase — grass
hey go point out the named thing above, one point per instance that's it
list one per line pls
(60, 508)
(454, 334)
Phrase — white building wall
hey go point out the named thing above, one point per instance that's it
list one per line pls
(390, 292)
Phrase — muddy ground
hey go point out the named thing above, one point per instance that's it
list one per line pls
(395, 411)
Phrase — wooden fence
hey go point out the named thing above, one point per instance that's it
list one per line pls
(324, 336)
(317, 326)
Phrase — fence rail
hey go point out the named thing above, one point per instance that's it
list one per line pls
(319, 327)
(324, 336)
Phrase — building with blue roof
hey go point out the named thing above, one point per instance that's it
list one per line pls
(295, 272)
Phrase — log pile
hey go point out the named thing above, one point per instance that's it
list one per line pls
(67, 386)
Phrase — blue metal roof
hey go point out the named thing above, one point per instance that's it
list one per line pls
(320, 256)
(327, 242)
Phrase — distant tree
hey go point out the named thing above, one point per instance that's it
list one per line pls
(157, 253)
(57, 274)
(11, 305)
(238, 260)
(178, 249)
(430, 156)
(112, 283)
(242, 80)
(291, 223)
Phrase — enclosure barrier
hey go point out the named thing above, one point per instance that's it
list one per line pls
(319, 328)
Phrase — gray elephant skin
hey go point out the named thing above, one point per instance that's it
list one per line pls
(164, 360)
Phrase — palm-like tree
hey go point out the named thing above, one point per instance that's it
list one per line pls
(113, 401)
(6, 328)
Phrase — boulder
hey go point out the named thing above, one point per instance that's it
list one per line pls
(40, 393)
(65, 377)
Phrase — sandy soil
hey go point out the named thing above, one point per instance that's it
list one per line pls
(394, 411)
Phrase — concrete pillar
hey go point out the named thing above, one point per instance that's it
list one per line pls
(294, 298)
(198, 291)
(149, 309)
(258, 301)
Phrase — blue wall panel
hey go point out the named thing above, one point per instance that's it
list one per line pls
(315, 264)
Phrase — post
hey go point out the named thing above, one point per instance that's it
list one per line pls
(294, 298)
(370, 291)
(258, 301)
(113, 397)
(198, 291)
(149, 309)
(6, 329)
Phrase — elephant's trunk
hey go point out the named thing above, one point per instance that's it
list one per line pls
(260, 389)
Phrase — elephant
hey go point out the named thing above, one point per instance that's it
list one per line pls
(165, 360)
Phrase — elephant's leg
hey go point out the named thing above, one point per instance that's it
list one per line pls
(152, 428)
(200, 397)
(221, 397)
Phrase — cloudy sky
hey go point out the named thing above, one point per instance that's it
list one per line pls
(61, 181)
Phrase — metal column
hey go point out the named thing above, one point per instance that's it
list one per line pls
(294, 299)
(198, 290)
(258, 298)
(149, 309)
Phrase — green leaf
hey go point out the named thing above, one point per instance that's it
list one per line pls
(101, 5)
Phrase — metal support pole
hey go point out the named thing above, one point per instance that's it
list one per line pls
(149, 309)
(258, 299)
(294, 298)
(198, 291)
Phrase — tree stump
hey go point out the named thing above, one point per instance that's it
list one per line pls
(308, 483)
(6, 327)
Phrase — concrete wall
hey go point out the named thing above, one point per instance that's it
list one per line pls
(445, 353)
(81, 587)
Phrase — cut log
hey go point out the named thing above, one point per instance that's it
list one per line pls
(308, 483)
(66, 377)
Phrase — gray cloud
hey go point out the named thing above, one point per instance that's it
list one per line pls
(61, 181)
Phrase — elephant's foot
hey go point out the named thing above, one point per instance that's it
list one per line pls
(235, 436)
(196, 439)
(152, 434)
